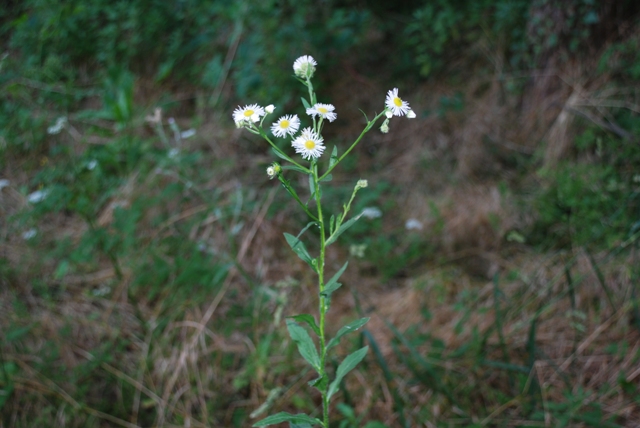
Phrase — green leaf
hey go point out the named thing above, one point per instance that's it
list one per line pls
(332, 224)
(294, 425)
(327, 178)
(282, 155)
(305, 103)
(278, 418)
(341, 229)
(298, 247)
(295, 168)
(352, 326)
(306, 347)
(312, 187)
(333, 283)
(345, 367)
(310, 320)
(334, 156)
(319, 383)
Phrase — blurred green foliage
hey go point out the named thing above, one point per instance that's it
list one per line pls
(594, 200)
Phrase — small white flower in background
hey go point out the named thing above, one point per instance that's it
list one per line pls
(250, 113)
(388, 114)
(270, 108)
(29, 234)
(309, 144)
(361, 184)
(394, 103)
(371, 212)
(357, 250)
(92, 164)
(188, 133)
(173, 153)
(156, 117)
(413, 224)
(304, 66)
(61, 122)
(325, 111)
(4, 183)
(103, 290)
(37, 196)
(288, 124)
(411, 114)
(273, 170)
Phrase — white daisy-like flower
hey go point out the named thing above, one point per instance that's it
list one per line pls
(304, 66)
(251, 113)
(309, 144)
(288, 124)
(394, 103)
(325, 111)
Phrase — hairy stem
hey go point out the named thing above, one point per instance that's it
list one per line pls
(322, 300)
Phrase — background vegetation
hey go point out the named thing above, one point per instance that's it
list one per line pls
(143, 274)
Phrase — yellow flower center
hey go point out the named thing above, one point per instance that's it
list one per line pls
(284, 124)
(310, 144)
(323, 110)
(397, 101)
(248, 113)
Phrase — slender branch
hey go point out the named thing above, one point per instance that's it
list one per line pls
(364, 131)
(293, 193)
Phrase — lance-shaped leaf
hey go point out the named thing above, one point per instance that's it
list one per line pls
(282, 155)
(298, 247)
(333, 283)
(295, 425)
(352, 326)
(320, 383)
(312, 187)
(278, 418)
(345, 367)
(334, 156)
(341, 229)
(295, 168)
(309, 320)
(306, 347)
(305, 103)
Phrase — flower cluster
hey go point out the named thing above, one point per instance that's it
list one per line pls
(309, 143)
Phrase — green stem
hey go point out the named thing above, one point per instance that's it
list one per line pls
(364, 131)
(322, 300)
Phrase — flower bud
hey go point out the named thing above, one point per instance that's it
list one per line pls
(411, 114)
(273, 170)
(385, 126)
(270, 108)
